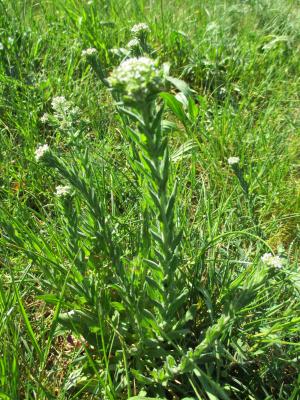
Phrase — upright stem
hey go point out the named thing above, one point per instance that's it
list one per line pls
(156, 157)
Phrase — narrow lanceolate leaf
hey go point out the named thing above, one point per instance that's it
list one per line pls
(152, 264)
(156, 124)
(175, 106)
(155, 198)
(185, 150)
(168, 126)
(154, 284)
(27, 323)
(181, 86)
(171, 202)
(212, 388)
(176, 305)
(151, 165)
(157, 237)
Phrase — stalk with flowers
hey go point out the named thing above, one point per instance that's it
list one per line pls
(137, 83)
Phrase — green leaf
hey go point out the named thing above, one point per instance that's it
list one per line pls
(152, 264)
(193, 109)
(154, 284)
(49, 298)
(180, 85)
(213, 390)
(140, 378)
(177, 303)
(27, 323)
(118, 306)
(168, 126)
(175, 106)
(185, 150)
(4, 396)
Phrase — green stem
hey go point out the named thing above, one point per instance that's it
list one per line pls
(156, 150)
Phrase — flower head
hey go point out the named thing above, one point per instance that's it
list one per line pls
(133, 43)
(272, 261)
(137, 78)
(88, 52)
(40, 151)
(140, 29)
(233, 160)
(60, 103)
(62, 190)
(65, 114)
(45, 118)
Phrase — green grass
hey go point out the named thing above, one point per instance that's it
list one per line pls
(84, 315)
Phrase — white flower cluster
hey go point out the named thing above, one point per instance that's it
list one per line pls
(45, 118)
(65, 114)
(137, 78)
(62, 106)
(62, 190)
(133, 43)
(88, 52)
(140, 29)
(272, 261)
(233, 160)
(60, 103)
(41, 151)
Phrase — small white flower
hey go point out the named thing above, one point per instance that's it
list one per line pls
(75, 111)
(10, 40)
(140, 29)
(133, 43)
(266, 258)
(88, 52)
(272, 261)
(62, 190)
(1, 46)
(40, 151)
(233, 160)
(45, 118)
(59, 103)
(137, 78)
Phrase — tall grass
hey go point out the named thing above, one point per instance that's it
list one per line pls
(135, 261)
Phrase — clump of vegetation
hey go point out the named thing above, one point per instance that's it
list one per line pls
(149, 218)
